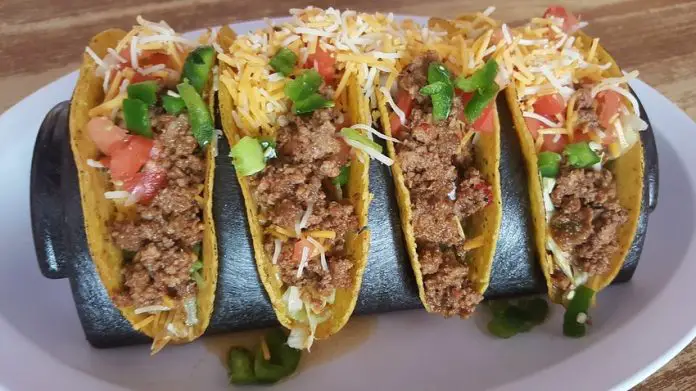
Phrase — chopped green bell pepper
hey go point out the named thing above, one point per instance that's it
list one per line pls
(480, 80)
(440, 90)
(580, 304)
(172, 104)
(247, 156)
(284, 61)
(549, 164)
(240, 367)
(198, 114)
(342, 178)
(145, 91)
(137, 116)
(197, 67)
(580, 155)
(479, 101)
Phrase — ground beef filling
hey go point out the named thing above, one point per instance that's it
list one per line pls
(587, 217)
(310, 154)
(445, 189)
(164, 232)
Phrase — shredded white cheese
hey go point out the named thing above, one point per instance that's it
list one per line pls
(374, 131)
(322, 254)
(303, 261)
(94, 163)
(151, 309)
(542, 119)
(115, 195)
(276, 250)
(399, 113)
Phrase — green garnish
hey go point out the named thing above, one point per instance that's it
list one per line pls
(510, 319)
(303, 86)
(302, 91)
(199, 117)
(549, 164)
(271, 361)
(284, 61)
(311, 103)
(172, 104)
(576, 315)
(479, 101)
(145, 91)
(196, 266)
(480, 80)
(342, 178)
(354, 135)
(248, 156)
(137, 116)
(580, 155)
(240, 368)
(198, 66)
(482, 84)
(440, 90)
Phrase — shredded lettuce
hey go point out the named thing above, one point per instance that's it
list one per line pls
(560, 257)
(300, 339)
(547, 185)
(191, 311)
(307, 321)
(332, 297)
(292, 299)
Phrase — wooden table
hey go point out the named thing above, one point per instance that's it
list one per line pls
(41, 40)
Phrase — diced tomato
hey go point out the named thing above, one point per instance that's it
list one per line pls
(155, 59)
(549, 105)
(105, 134)
(127, 160)
(145, 185)
(569, 20)
(143, 57)
(549, 144)
(404, 101)
(325, 64)
(138, 77)
(580, 136)
(609, 105)
(484, 123)
(299, 246)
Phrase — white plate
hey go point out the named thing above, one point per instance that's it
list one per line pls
(638, 326)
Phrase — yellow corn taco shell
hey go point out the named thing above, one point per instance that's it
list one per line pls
(628, 173)
(357, 245)
(99, 211)
(481, 229)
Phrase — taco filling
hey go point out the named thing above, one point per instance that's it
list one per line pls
(307, 218)
(580, 120)
(152, 132)
(300, 95)
(436, 156)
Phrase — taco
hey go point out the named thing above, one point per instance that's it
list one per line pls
(440, 114)
(295, 105)
(143, 140)
(578, 127)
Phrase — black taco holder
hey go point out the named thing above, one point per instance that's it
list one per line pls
(241, 302)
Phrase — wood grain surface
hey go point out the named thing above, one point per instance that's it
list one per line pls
(41, 40)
